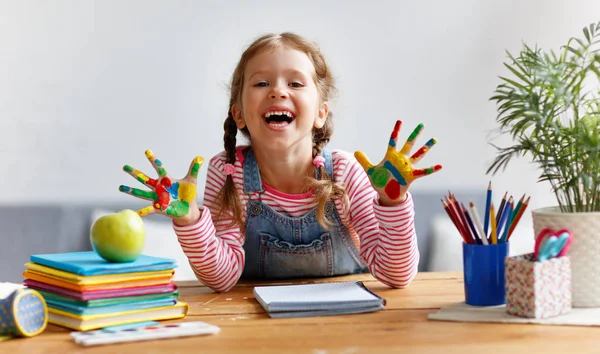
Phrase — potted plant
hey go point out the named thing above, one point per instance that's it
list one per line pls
(550, 106)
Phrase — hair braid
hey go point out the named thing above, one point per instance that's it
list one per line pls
(229, 194)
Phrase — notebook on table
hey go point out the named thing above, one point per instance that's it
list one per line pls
(321, 299)
(90, 263)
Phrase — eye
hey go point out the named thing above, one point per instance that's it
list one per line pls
(261, 84)
(296, 84)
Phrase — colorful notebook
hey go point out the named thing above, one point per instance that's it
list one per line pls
(94, 279)
(92, 287)
(90, 263)
(88, 322)
(48, 296)
(82, 310)
(101, 294)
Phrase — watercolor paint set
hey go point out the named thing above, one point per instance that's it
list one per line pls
(142, 332)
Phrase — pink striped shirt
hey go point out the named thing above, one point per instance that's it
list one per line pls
(385, 236)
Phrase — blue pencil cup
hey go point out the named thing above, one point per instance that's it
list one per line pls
(483, 267)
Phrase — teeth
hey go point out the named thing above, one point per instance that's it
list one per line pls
(279, 113)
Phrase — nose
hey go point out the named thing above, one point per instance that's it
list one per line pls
(278, 90)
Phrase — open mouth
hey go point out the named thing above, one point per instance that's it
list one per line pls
(279, 118)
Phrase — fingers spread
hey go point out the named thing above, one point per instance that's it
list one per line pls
(363, 160)
(394, 137)
(140, 176)
(156, 163)
(146, 211)
(411, 139)
(195, 167)
(423, 150)
(426, 171)
(138, 193)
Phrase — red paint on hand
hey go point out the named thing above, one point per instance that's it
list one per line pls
(166, 182)
(392, 189)
(163, 197)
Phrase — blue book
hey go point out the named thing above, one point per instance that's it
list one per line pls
(82, 310)
(90, 263)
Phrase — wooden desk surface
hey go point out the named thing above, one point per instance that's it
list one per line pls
(402, 326)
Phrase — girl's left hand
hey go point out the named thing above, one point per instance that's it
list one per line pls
(392, 177)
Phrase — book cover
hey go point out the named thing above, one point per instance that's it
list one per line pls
(91, 287)
(94, 279)
(83, 310)
(90, 263)
(100, 294)
(317, 299)
(122, 300)
(89, 322)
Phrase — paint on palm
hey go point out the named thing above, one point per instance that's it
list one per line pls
(396, 171)
(168, 196)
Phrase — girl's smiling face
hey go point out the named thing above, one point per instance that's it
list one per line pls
(280, 103)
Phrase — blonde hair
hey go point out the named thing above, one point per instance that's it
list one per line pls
(324, 188)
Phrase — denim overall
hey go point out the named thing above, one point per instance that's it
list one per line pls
(278, 246)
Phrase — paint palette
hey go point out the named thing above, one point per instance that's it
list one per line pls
(152, 332)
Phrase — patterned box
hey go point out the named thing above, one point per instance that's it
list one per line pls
(538, 289)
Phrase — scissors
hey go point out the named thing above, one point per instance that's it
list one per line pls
(550, 244)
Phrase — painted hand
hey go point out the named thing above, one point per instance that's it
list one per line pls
(392, 177)
(171, 197)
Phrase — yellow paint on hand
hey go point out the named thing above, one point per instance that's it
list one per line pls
(187, 192)
(400, 162)
(142, 176)
(149, 154)
(145, 211)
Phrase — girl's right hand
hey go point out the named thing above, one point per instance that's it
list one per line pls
(175, 198)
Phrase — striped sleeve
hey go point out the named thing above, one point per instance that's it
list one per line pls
(388, 242)
(214, 250)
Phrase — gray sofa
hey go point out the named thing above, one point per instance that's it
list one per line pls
(54, 228)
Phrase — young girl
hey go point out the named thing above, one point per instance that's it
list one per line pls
(284, 206)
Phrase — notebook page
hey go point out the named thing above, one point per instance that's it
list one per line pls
(314, 293)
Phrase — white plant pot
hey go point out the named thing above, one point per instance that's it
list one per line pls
(584, 251)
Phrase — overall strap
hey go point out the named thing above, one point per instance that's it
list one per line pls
(328, 164)
(252, 181)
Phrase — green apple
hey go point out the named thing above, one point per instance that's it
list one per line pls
(119, 237)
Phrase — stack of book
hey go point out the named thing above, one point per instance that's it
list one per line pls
(85, 292)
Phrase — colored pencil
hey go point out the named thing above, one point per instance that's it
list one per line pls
(506, 226)
(470, 223)
(501, 209)
(463, 218)
(453, 218)
(486, 222)
(459, 219)
(504, 217)
(516, 209)
(494, 235)
(518, 217)
(478, 223)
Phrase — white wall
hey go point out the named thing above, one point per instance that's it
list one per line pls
(87, 86)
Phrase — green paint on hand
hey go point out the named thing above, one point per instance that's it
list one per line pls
(380, 176)
(144, 194)
(162, 172)
(415, 132)
(195, 170)
(178, 208)
(127, 168)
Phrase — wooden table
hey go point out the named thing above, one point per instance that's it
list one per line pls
(402, 327)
